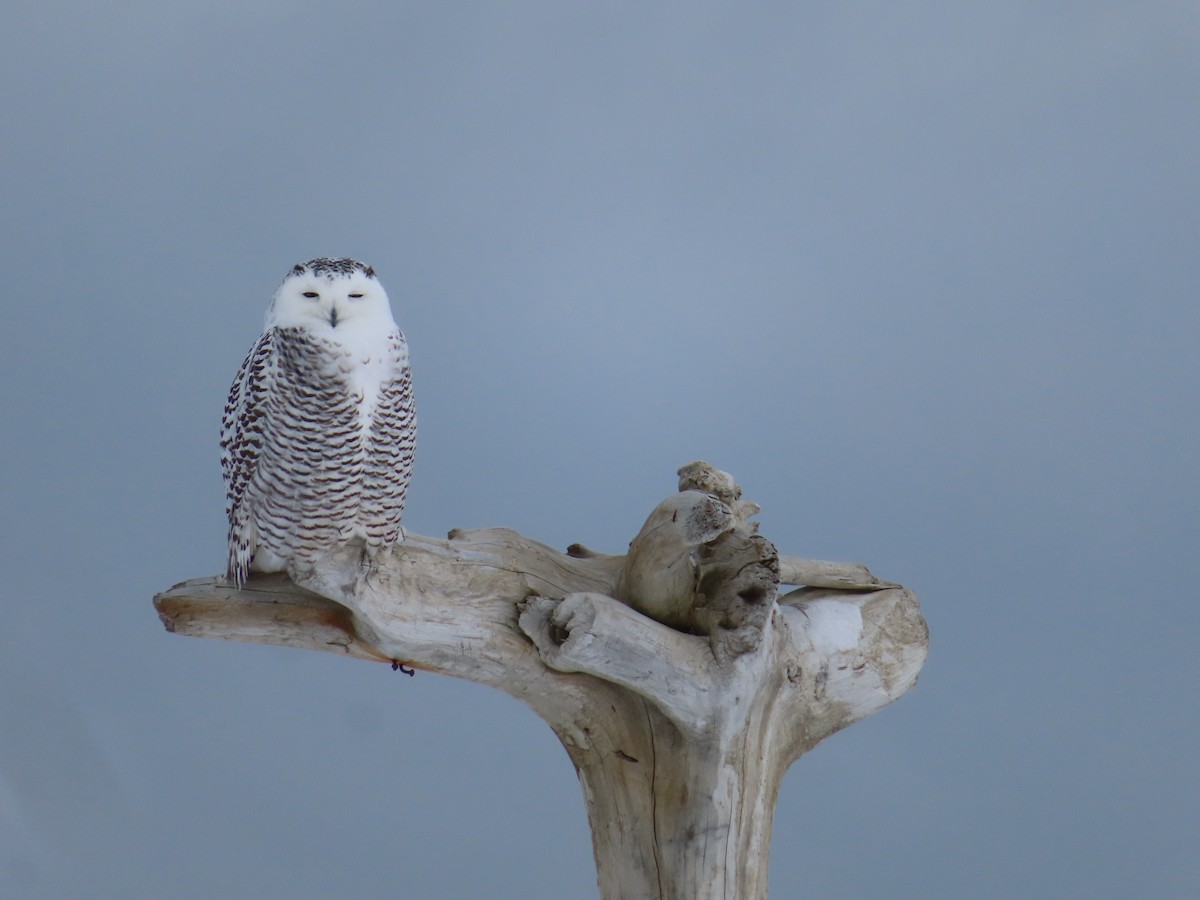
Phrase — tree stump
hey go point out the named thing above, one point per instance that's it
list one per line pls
(680, 683)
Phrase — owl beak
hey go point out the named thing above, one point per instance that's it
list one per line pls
(333, 316)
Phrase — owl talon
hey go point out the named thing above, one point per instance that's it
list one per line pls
(396, 664)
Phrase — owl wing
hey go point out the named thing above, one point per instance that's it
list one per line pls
(243, 429)
(390, 458)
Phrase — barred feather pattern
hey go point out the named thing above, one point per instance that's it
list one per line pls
(313, 456)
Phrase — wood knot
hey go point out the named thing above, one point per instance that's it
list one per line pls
(736, 590)
(557, 633)
(700, 476)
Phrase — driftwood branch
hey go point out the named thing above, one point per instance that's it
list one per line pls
(679, 682)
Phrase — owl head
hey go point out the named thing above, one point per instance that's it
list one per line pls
(330, 296)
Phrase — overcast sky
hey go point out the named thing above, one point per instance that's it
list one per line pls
(922, 276)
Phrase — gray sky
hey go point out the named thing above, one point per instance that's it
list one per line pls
(922, 276)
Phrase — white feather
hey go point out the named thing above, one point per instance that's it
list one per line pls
(319, 429)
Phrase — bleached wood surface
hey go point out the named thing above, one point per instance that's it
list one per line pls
(678, 681)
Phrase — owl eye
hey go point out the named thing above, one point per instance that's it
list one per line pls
(357, 295)
(311, 295)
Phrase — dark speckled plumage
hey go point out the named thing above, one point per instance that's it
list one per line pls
(314, 454)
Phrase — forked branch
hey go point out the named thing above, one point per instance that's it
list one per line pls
(681, 685)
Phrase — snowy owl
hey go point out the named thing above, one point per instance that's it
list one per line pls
(318, 433)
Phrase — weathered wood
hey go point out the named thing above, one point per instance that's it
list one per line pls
(659, 574)
(681, 723)
(736, 585)
(843, 576)
(269, 610)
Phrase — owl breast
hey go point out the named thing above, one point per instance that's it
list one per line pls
(338, 454)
